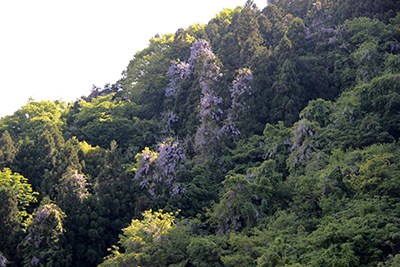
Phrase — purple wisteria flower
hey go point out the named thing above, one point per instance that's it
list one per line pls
(43, 233)
(3, 261)
(74, 184)
(176, 72)
(202, 56)
(197, 50)
(203, 61)
(304, 141)
(167, 120)
(230, 127)
(320, 28)
(170, 157)
(145, 166)
(34, 261)
(160, 169)
(240, 91)
(79, 185)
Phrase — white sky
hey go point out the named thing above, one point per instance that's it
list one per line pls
(57, 49)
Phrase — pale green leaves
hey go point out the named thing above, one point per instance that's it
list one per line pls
(19, 187)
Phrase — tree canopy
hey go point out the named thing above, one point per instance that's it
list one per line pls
(262, 138)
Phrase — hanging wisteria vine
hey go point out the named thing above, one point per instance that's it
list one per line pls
(168, 119)
(176, 72)
(202, 56)
(156, 172)
(74, 184)
(43, 235)
(204, 64)
(319, 28)
(240, 93)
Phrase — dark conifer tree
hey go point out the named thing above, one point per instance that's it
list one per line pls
(10, 226)
(7, 150)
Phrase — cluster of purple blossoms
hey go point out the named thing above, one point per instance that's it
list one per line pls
(230, 127)
(145, 167)
(168, 119)
(160, 168)
(203, 60)
(206, 135)
(170, 157)
(363, 73)
(74, 185)
(49, 212)
(347, 115)
(207, 104)
(79, 185)
(325, 34)
(197, 50)
(201, 53)
(304, 142)
(3, 261)
(176, 72)
(365, 54)
(35, 240)
(44, 230)
(240, 91)
(201, 56)
(394, 47)
(34, 261)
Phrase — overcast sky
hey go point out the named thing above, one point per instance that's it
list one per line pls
(57, 49)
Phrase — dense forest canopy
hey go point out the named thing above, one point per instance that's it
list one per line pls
(262, 138)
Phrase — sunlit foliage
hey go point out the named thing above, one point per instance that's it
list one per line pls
(274, 133)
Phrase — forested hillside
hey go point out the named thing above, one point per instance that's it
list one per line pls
(262, 138)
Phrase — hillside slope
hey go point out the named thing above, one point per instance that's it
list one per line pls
(263, 138)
